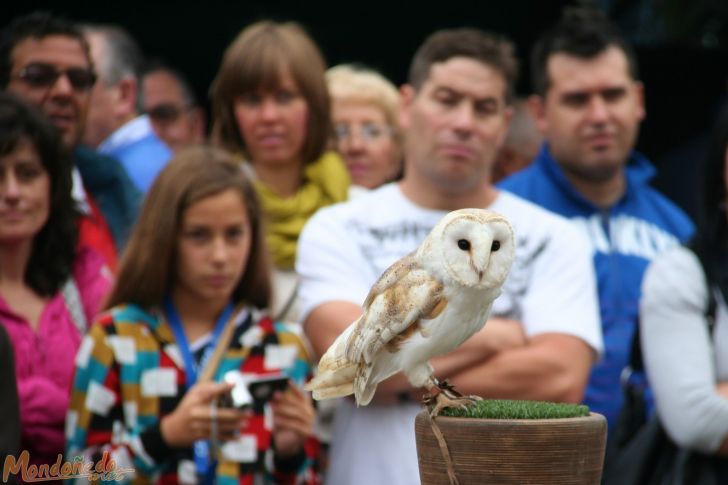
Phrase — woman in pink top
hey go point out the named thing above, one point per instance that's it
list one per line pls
(49, 290)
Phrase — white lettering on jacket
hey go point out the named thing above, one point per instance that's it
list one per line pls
(627, 235)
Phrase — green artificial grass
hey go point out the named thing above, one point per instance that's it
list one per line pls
(506, 409)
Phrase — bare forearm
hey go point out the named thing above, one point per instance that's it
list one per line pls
(326, 322)
(551, 368)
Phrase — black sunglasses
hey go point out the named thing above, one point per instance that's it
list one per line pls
(166, 112)
(39, 75)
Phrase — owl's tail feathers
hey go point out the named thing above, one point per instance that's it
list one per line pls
(337, 377)
(334, 379)
(336, 373)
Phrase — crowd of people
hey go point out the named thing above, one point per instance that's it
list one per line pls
(150, 255)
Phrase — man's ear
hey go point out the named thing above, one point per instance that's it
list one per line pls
(199, 122)
(406, 98)
(128, 92)
(538, 111)
(641, 99)
(507, 118)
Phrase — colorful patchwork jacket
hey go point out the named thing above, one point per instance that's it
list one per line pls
(130, 374)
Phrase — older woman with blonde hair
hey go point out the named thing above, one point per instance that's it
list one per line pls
(365, 112)
(270, 104)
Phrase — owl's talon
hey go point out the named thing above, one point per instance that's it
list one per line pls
(447, 397)
(445, 386)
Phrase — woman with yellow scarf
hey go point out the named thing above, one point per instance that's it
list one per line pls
(270, 104)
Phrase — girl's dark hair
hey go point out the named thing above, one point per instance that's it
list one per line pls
(711, 239)
(54, 247)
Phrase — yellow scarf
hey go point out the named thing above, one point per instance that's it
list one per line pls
(326, 181)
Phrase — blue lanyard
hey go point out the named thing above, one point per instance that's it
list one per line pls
(201, 448)
(191, 368)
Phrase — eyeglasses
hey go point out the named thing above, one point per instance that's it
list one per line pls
(367, 132)
(166, 113)
(39, 75)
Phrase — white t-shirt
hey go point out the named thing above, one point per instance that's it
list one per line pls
(344, 249)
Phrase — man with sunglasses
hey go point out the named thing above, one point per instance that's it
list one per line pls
(45, 60)
(170, 102)
(115, 126)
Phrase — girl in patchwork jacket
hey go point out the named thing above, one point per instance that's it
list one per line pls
(185, 317)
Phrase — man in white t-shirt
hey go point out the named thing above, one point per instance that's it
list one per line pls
(543, 334)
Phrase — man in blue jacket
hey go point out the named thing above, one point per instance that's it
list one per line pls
(589, 104)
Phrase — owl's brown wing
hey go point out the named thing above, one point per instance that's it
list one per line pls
(403, 295)
(391, 276)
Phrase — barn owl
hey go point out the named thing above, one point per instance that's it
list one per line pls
(424, 305)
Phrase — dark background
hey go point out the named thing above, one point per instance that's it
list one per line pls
(682, 48)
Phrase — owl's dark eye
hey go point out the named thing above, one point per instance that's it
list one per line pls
(464, 244)
(495, 246)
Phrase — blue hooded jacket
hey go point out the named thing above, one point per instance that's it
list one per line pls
(625, 238)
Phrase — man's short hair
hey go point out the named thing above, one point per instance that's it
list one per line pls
(36, 25)
(123, 57)
(583, 32)
(490, 49)
(158, 65)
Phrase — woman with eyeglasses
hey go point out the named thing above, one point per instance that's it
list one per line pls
(365, 113)
(49, 288)
(270, 104)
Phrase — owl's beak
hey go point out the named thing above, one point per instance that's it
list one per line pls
(477, 270)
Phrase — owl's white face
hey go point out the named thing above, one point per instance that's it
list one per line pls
(477, 247)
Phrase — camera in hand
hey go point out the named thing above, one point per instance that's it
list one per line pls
(238, 397)
(262, 389)
(249, 389)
